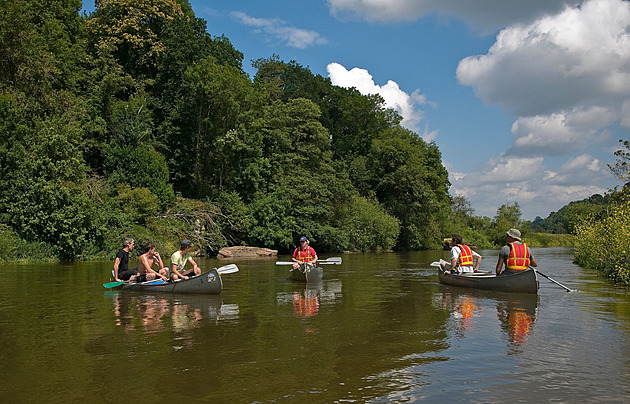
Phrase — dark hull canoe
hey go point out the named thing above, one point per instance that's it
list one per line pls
(207, 283)
(313, 274)
(525, 282)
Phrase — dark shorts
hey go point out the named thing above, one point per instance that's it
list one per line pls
(141, 278)
(125, 275)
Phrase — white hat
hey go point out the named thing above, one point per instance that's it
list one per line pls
(515, 234)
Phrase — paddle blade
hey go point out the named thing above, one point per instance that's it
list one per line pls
(331, 261)
(439, 263)
(110, 285)
(227, 269)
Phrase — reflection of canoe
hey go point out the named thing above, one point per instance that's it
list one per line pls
(525, 282)
(209, 282)
(306, 273)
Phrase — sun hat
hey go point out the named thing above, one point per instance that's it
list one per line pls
(514, 233)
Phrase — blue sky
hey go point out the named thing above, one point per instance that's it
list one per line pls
(526, 99)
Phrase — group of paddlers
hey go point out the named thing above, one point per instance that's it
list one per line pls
(150, 259)
(176, 269)
(515, 255)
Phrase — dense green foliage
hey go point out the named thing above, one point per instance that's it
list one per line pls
(603, 241)
(134, 121)
(564, 220)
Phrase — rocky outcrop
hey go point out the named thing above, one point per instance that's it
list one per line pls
(246, 252)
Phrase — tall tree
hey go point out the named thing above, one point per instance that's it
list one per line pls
(411, 182)
(621, 168)
(217, 98)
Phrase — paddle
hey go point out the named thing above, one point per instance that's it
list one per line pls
(110, 285)
(330, 261)
(554, 281)
(227, 269)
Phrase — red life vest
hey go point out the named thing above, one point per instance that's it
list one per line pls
(465, 258)
(304, 256)
(518, 259)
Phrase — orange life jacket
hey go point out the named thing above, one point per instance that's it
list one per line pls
(465, 257)
(518, 259)
(304, 256)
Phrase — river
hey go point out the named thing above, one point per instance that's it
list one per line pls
(379, 329)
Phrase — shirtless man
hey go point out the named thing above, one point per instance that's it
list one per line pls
(147, 260)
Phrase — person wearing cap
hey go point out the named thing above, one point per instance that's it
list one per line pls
(462, 257)
(304, 253)
(179, 260)
(516, 255)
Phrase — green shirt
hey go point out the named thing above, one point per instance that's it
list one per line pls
(178, 260)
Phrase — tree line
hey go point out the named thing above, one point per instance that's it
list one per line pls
(134, 121)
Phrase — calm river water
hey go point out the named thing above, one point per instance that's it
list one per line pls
(379, 329)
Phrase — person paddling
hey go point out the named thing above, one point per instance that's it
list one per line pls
(304, 254)
(462, 257)
(516, 255)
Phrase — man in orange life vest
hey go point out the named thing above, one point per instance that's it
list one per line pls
(515, 254)
(462, 256)
(304, 253)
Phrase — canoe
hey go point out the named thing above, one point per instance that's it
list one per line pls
(308, 274)
(524, 282)
(208, 282)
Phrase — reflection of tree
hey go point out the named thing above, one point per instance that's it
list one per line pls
(517, 317)
(306, 302)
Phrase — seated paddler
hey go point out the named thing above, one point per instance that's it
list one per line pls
(179, 260)
(462, 257)
(516, 255)
(304, 254)
(147, 260)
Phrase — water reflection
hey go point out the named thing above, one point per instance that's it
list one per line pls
(307, 298)
(154, 313)
(306, 302)
(517, 316)
(463, 308)
(516, 312)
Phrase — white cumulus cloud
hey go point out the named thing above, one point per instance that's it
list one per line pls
(395, 98)
(527, 181)
(566, 77)
(281, 30)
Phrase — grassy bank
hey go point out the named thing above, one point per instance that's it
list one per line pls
(541, 240)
